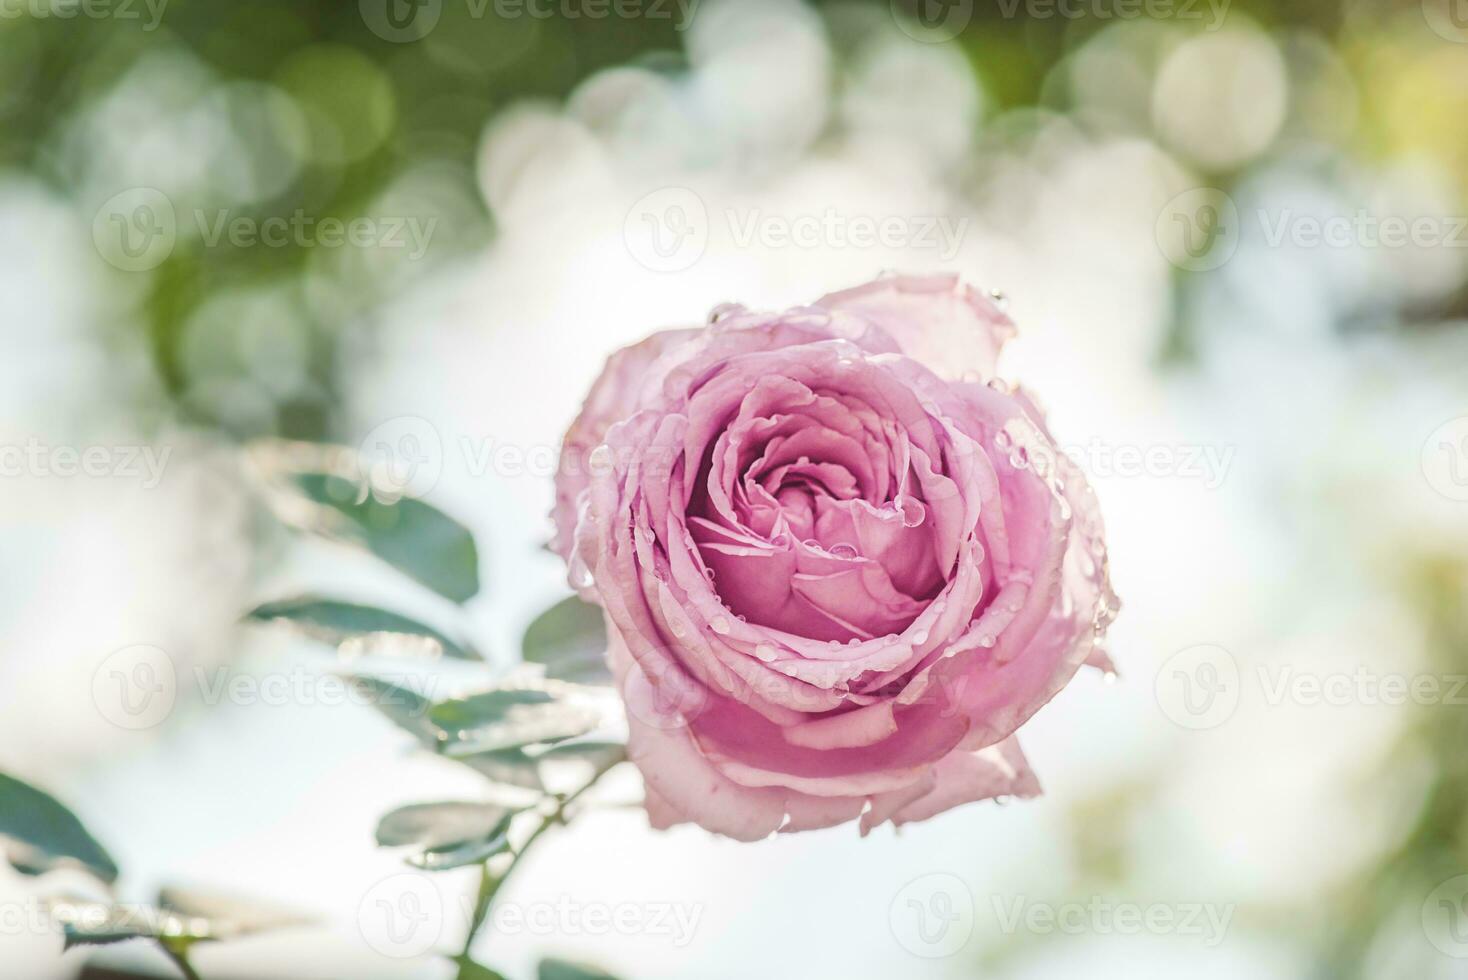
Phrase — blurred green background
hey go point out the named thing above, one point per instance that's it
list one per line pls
(1328, 368)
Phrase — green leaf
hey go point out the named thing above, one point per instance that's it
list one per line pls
(600, 755)
(469, 970)
(510, 718)
(570, 640)
(513, 767)
(451, 835)
(438, 824)
(414, 537)
(38, 834)
(463, 855)
(85, 923)
(335, 621)
(180, 919)
(484, 708)
(407, 709)
(230, 916)
(555, 969)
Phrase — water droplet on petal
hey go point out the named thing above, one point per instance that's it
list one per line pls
(720, 625)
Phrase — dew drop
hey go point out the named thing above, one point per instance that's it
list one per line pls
(843, 550)
(920, 636)
(720, 625)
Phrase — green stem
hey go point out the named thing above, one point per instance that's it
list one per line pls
(181, 960)
(490, 884)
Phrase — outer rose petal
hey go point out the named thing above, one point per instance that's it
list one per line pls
(947, 325)
(963, 777)
(613, 396)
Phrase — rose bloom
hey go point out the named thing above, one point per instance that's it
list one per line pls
(840, 561)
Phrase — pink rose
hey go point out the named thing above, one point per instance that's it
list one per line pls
(840, 562)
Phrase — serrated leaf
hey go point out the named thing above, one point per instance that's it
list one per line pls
(513, 767)
(451, 835)
(570, 640)
(414, 537)
(557, 969)
(229, 916)
(460, 856)
(600, 755)
(438, 824)
(336, 621)
(504, 719)
(38, 834)
(86, 923)
(327, 490)
(407, 709)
